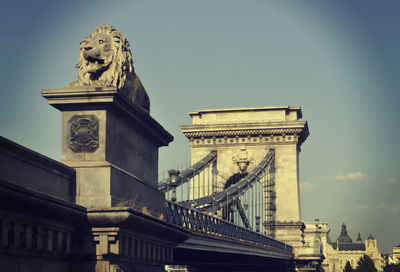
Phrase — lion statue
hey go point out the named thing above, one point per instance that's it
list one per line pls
(105, 60)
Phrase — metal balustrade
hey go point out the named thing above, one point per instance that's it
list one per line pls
(200, 222)
(247, 199)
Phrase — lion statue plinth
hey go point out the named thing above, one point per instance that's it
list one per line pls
(105, 60)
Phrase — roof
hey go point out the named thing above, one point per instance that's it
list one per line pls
(351, 247)
(202, 111)
(370, 237)
(359, 238)
(344, 237)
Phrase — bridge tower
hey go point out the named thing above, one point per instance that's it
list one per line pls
(241, 136)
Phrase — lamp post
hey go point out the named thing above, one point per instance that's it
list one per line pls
(257, 223)
(265, 224)
(173, 174)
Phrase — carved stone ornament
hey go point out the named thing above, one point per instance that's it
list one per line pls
(105, 60)
(242, 159)
(84, 133)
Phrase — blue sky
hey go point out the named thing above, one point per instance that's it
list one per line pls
(338, 60)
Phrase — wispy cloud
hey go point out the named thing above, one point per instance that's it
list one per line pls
(384, 206)
(361, 207)
(395, 179)
(356, 176)
(307, 186)
(392, 208)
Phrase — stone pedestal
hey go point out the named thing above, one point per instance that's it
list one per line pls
(130, 241)
(113, 145)
(290, 232)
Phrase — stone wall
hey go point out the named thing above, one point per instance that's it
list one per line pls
(29, 169)
(39, 231)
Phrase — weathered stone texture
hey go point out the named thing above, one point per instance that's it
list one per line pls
(123, 169)
(287, 182)
(67, 153)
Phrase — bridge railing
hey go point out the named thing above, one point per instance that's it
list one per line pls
(198, 221)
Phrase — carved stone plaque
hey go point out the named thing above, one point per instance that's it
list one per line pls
(84, 133)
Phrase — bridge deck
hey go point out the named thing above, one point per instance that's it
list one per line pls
(214, 238)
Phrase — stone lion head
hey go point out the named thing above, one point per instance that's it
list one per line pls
(105, 60)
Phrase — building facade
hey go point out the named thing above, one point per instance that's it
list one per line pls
(396, 254)
(343, 249)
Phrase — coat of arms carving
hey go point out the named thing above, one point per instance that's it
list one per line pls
(242, 159)
(84, 133)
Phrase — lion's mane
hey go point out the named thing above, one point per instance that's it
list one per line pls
(113, 68)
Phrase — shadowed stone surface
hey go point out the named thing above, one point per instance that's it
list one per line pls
(122, 169)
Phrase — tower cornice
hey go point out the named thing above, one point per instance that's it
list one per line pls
(259, 131)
